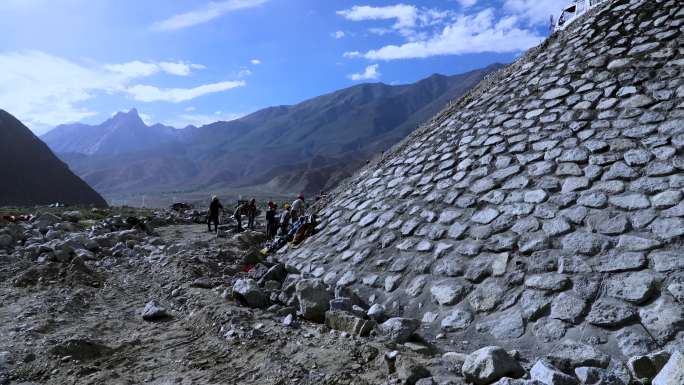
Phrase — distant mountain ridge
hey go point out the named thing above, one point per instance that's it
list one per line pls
(123, 132)
(305, 147)
(32, 175)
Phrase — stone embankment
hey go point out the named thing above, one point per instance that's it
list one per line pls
(543, 213)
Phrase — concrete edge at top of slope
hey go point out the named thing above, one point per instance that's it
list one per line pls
(453, 106)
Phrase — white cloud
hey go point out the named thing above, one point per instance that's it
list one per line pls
(255, 61)
(43, 90)
(146, 93)
(535, 11)
(352, 54)
(405, 15)
(462, 34)
(370, 73)
(380, 31)
(408, 19)
(189, 109)
(180, 68)
(337, 34)
(244, 72)
(133, 69)
(208, 12)
(467, 3)
(136, 68)
(431, 32)
(184, 120)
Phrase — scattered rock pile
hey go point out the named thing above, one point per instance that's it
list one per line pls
(96, 302)
(65, 249)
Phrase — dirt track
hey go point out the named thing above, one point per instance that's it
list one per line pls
(81, 324)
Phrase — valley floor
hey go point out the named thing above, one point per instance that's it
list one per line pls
(81, 323)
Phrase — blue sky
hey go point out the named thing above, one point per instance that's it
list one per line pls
(185, 62)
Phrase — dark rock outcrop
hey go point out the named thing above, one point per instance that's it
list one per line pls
(31, 174)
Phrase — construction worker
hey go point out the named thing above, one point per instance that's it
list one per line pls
(561, 19)
(298, 208)
(285, 219)
(251, 213)
(271, 221)
(240, 210)
(214, 208)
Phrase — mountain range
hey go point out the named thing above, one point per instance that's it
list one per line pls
(124, 132)
(306, 147)
(32, 175)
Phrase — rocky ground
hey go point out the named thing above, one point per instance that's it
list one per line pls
(530, 234)
(157, 299)
(74, 292)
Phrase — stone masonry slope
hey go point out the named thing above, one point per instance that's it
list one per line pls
(545, 206)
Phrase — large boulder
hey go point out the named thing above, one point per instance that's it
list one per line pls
(548, 375)
(72, 216)
(449, 292)
(343, 321)
(314, 299)
(489, 364)
(569, 355)
(376, 312)
(458, 319)
(276, 272)
(399, 329)
(6, 241)
(409, 371)
(153, 312)
(45, 220)
(663, 318)
(616, 375)
(248, 292)
(517, 381)
(608, 312)
(645, 368)
(673, 372)
(589, 375)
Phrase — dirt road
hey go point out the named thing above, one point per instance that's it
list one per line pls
(80, 323)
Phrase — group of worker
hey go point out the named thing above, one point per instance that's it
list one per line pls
(248, 209)
(274, 221)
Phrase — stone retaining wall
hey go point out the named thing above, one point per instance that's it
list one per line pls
(545, 205)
